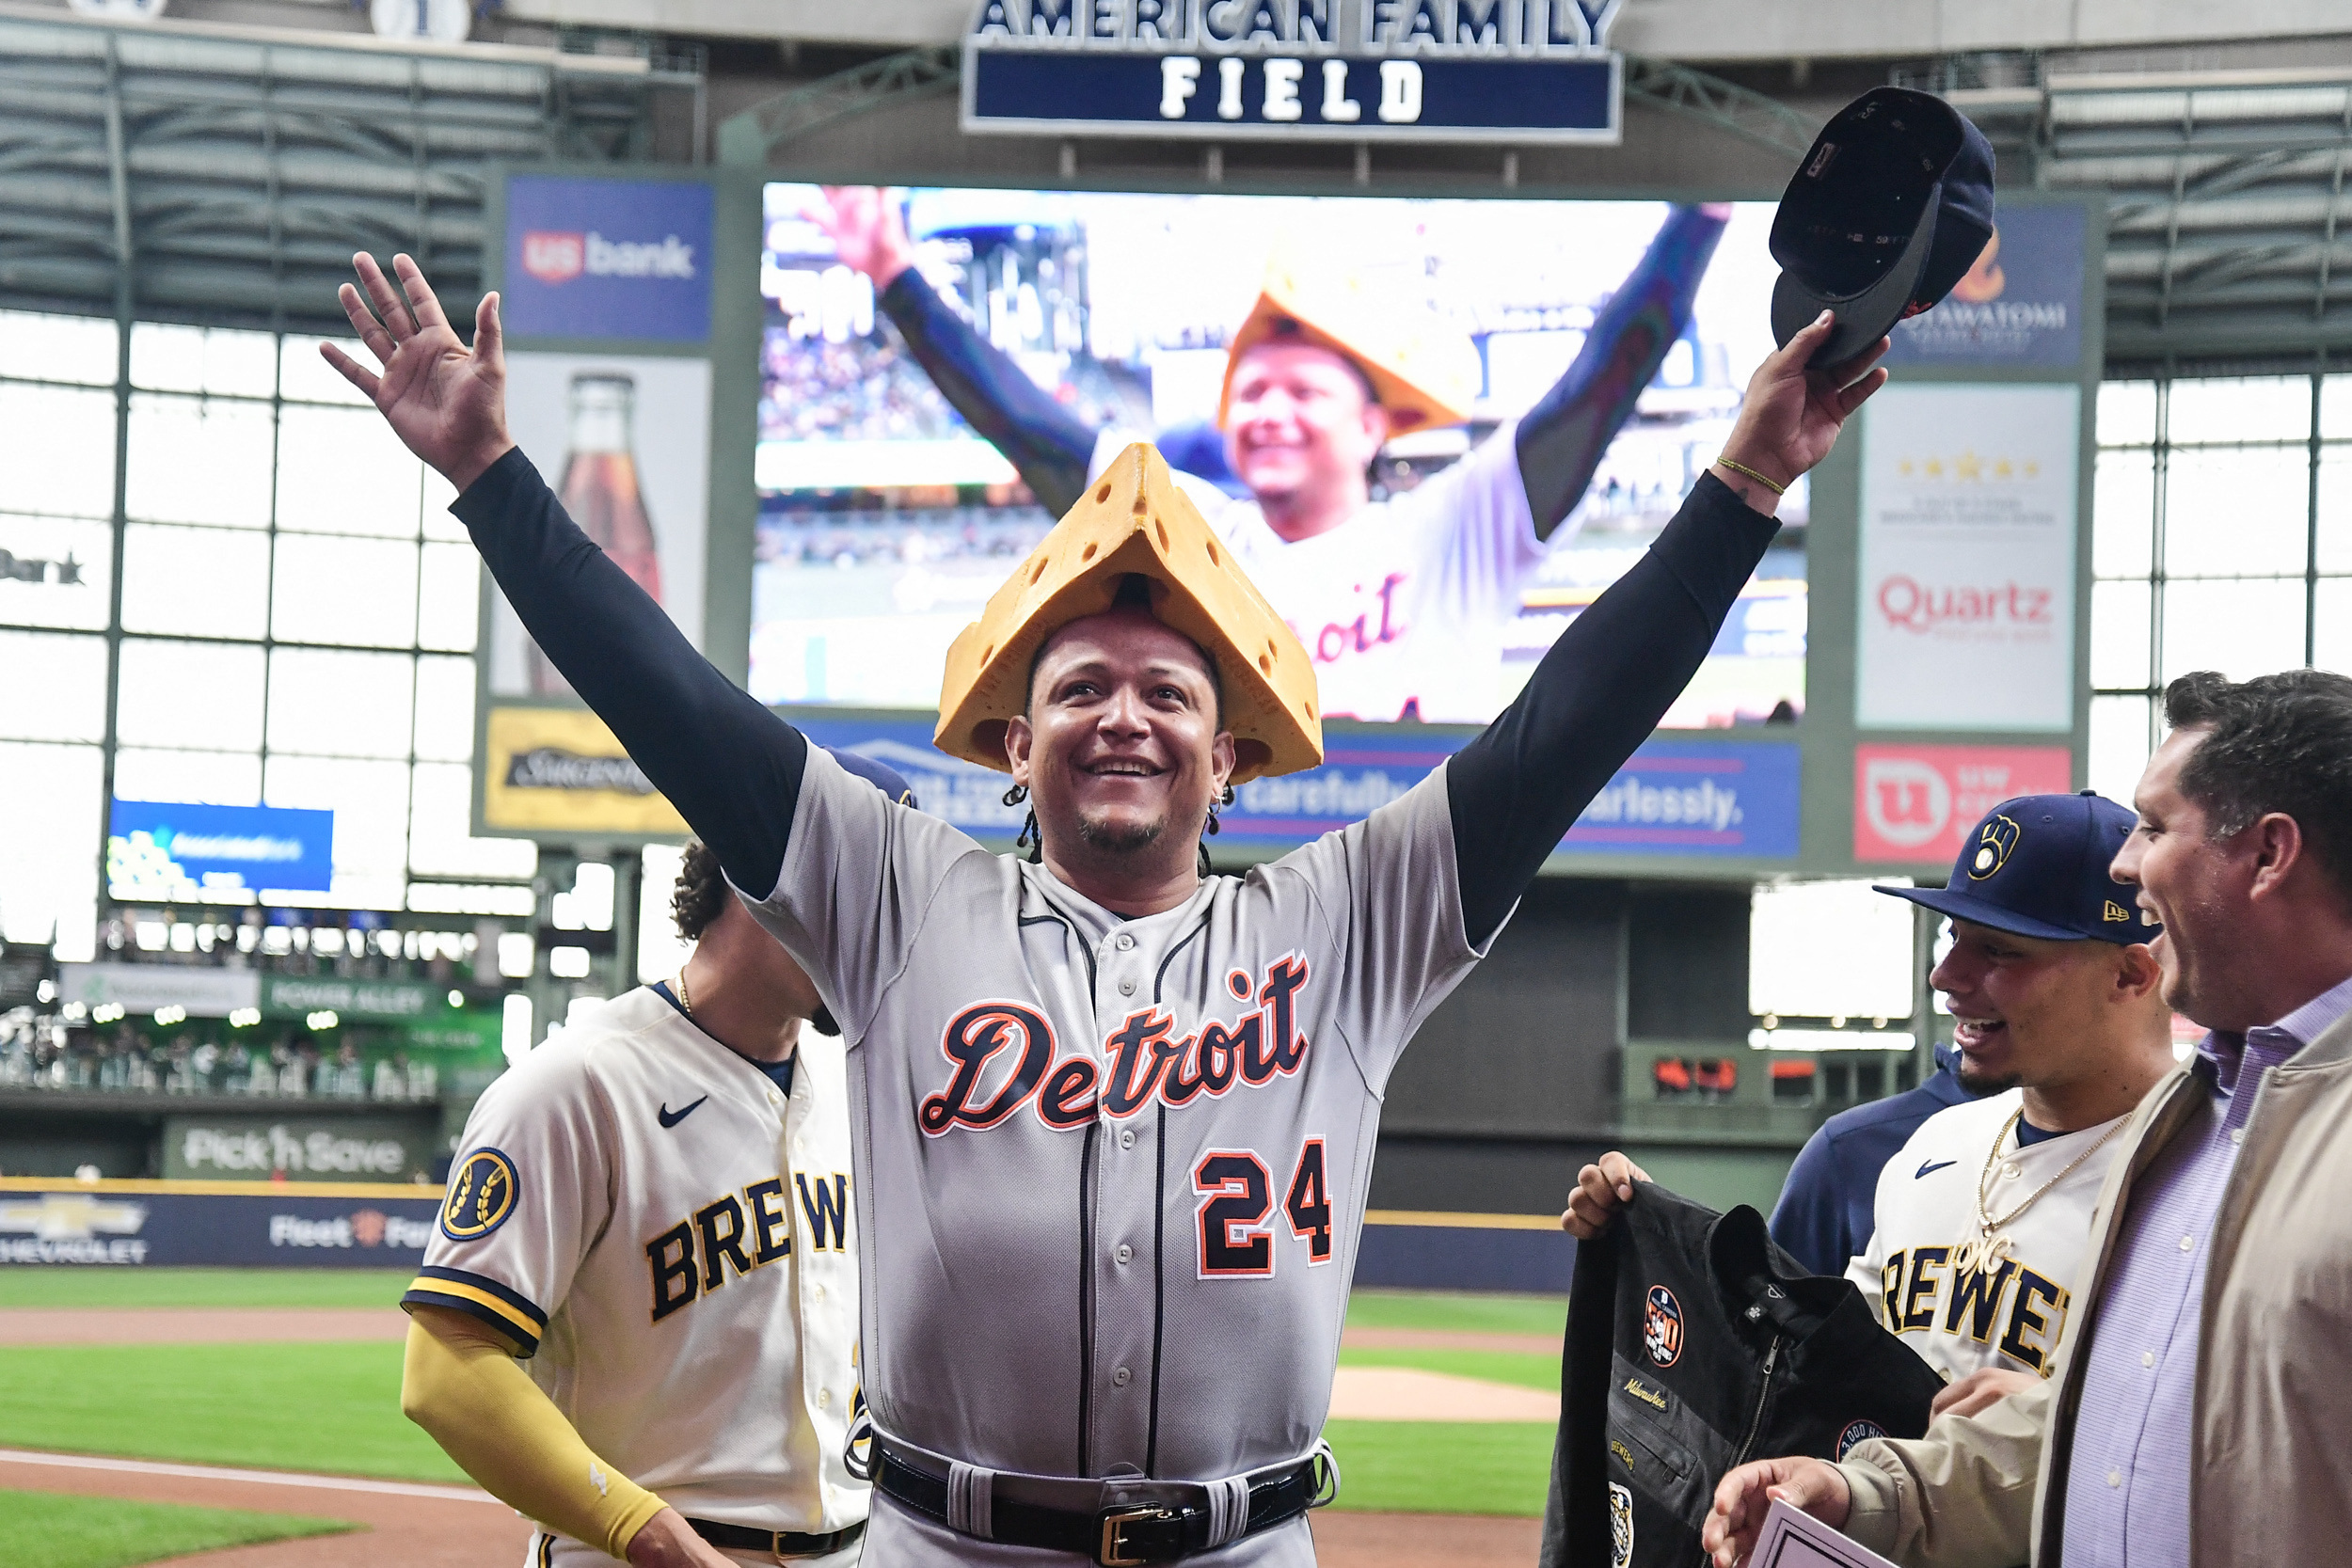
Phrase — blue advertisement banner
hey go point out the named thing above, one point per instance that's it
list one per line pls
(1710, 799)
(619, 259)
(169, 849)
(2021, 305)
(143, 1225)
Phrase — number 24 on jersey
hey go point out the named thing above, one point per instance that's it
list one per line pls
(1237, 1197)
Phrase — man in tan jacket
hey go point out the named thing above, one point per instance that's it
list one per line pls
(2200, 1415)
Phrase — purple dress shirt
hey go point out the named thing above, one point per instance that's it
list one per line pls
(2127, 1491)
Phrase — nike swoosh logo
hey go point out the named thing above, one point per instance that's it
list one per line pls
(670, 1118)
(1924, 1166)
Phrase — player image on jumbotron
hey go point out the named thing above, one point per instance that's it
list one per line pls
(1431, 431)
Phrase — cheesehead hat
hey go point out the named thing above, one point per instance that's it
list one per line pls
(1423, 371)
(1135, 521)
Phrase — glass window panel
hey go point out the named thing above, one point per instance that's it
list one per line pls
(440, 845)
(55, 572)
(54, 688)
(201, 778)
(2335, 509)
(2331, 628)
(445, 709)
(370, 800)
(168, 358)
(2238, 513)
(2335, 407)
(49, 879)
(199, 460)
(2243, 630)
(73, 433)
(202, 694)
(57, 348)
(2123, 514)
(357, 592)
(438, 524)
(2118, 633)
(343, 471)
(305, 376)
(195, 581)
(2127, 413)
(339, 703)
(2119, 744)
(449, 598)
(2240, 408)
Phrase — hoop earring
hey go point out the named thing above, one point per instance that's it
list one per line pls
(1224, 800)
(1017, 794)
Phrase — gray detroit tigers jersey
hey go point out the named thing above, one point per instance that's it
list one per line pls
(1110, 1173)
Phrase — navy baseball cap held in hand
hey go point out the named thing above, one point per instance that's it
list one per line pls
(2037, 866)
(1888, 210)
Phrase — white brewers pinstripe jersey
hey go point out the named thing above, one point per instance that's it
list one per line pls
(2014, 1317)
(1111, 1172)
(669, 1239)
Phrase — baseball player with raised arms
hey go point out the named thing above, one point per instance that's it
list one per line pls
(1112, 1119)
(1400, 602)
(652, 1214)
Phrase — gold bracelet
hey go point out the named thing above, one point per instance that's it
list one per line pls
(1743, 468)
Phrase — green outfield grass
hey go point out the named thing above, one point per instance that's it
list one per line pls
(336, 1406)
(59, 1531)
(332, 1406)
(1442, 1466)
(1477, 1314)
(67, 1286)
(1493, 1366)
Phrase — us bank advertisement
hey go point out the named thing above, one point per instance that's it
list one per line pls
(1967, 614)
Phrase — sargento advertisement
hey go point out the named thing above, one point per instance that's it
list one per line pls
(1432, 430)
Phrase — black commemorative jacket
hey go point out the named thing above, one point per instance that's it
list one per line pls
(1695, 1345)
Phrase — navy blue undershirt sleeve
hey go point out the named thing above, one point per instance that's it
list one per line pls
(1052, 447)
(1598, 692)
(1559, 440)
(731, 768)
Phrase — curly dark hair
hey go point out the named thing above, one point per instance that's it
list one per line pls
(701, 891)
(2276, 743)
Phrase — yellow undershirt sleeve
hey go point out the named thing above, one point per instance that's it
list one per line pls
(461, 1382)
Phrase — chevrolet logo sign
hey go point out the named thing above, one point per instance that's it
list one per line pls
(71, 1217)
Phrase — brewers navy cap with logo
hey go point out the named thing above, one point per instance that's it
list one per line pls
(1888, 211)
(2037, 866)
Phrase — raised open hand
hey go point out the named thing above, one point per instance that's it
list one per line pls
(867, 231)
(446, 403)
(1792, 415)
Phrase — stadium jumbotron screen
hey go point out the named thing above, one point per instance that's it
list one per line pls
(887, 517)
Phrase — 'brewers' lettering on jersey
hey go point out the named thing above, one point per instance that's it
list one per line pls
(2014, 1311)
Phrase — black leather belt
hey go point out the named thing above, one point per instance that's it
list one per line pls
(1112, 1537)
(778, 1543)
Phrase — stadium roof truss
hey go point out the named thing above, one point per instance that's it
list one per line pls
(226, 174)
(2227, 234)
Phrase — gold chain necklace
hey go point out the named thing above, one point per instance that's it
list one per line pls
(685, 1001)
(1992, 1244)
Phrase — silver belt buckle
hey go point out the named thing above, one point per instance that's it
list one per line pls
(1112, 1551)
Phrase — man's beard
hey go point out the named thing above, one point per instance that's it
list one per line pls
(1122, 839)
